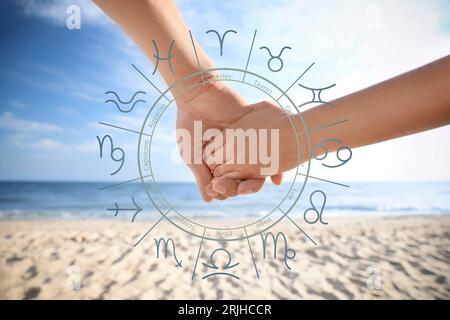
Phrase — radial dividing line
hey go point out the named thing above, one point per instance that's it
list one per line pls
(329, 125)
(251, 252)
(324, 126)
(120, 183)
(148, 231)
(284, 92)
(196, 55)
(325, 180)
(249, 54)
(122, 128)
(198, 254)
(302, 230)
(148, 80)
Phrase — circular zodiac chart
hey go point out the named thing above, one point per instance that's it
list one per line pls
(262, 226)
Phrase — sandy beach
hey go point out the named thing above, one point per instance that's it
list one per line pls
(355, 258)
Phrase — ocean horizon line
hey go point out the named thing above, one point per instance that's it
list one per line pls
(193, 182)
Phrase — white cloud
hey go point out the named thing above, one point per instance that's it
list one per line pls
(48, 144)
(59, 82)
(41, 146)
(354, 43)
(11, 122)
(338, 35)
(28, 135)
(350, 49)
(87, 147)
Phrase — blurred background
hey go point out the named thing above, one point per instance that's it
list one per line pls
(55, 73)
(54, 77)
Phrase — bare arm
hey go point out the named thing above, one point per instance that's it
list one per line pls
(412, 102)
(415, 101)
(158, 20)
(215, 104)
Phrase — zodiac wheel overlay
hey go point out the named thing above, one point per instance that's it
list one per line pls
(188, 225)
(177, 218)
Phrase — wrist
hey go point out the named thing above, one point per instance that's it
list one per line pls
(298, 142)
(195, 87)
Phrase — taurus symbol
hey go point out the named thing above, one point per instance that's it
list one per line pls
(169, 56)
(113, 150)
(221, 38)
(274, 58)
(166, 245)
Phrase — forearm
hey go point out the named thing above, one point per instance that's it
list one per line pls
(416, 101)
(159, 20)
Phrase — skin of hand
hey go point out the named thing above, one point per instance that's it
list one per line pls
(263, 116)
(216, 105)
(412, 102)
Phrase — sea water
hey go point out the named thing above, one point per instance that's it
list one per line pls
(86, 200)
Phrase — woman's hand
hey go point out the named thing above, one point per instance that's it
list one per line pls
(270, 146)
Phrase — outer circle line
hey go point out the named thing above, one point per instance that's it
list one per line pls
(284, 212)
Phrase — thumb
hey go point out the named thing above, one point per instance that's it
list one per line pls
(203, 178)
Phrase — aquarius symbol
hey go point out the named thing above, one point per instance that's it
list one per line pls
(317, 213)
(169, 56)
(316, 96)
(289, 253)
(137, 209)
(113, 150)
(166, 247)
(226, 266)
(221, 39)
(125, 102)
(275, 58)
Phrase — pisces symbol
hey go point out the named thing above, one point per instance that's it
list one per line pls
(168, 58)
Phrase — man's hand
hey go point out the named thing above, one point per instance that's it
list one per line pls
(217, 106)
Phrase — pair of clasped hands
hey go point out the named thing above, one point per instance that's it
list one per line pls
(384, 111)
(218, 106)
(214, 104)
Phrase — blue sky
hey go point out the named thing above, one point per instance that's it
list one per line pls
(53, 79)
